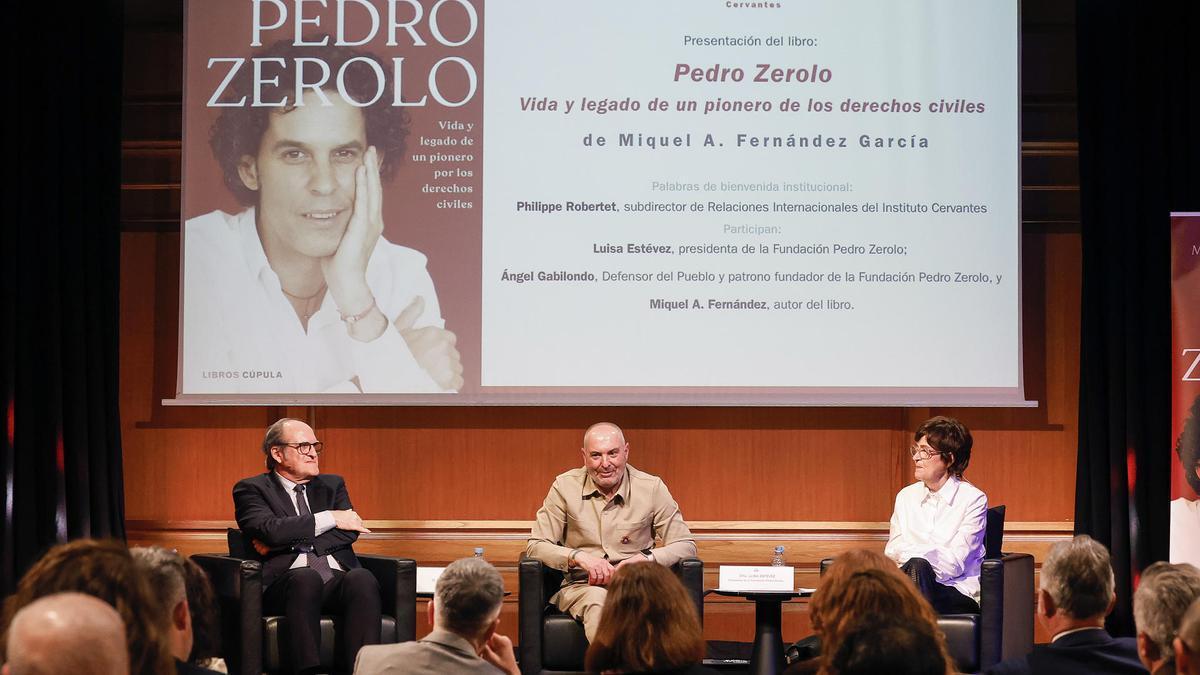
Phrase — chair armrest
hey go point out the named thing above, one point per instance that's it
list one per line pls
(531, 607)
(397, 579)
(224, 573)
(691, 573)
(825, 563)
(237, 585)
(1006, 608)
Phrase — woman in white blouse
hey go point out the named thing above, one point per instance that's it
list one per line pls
(938, 522)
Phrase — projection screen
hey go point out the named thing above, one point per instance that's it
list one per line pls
(682, 202)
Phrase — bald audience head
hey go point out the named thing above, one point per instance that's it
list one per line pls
(1187, 643)
(66, 633)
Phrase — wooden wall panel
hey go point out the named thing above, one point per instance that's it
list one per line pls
(496, 463)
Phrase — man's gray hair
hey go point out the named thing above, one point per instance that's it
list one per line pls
(274, 437)
(1078, 575)
(468, 596)
(1161, 599)
(1189, 628)
(166, 573)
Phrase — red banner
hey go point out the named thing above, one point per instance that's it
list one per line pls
(1185, 387)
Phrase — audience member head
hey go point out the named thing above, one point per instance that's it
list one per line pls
(1163, 596)
(1187, 643)
(889, 645)
(950, 439)
(66, 633)
(1077, 588)
(861, 584)
(103, 569)
(466, 600)
(649, 623)
(202, 603)
(165, 571)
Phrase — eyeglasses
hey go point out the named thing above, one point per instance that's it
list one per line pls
(307, 449)
(920, 453)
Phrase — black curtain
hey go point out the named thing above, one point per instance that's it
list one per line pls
(1139, 159)
(59, 261)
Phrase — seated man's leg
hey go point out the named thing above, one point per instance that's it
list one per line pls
(583, 602)
(297, 596)
(354, 595)
(945, 599)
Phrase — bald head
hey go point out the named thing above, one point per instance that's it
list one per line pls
(604, 430)
(66, 633)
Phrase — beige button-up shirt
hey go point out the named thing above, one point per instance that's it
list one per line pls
(576, 516)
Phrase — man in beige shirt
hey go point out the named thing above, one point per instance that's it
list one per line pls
(601, 517)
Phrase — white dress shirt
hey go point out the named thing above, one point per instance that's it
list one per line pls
(324, 523)
(944, 527)
(241, 335)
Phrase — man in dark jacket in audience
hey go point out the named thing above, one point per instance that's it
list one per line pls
(1076, 593)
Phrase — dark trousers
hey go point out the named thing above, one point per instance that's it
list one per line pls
(945, 599)
(301, 598)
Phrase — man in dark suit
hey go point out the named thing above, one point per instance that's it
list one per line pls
(1077, 591)
(302, 525)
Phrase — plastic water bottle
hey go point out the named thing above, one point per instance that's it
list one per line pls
(777, 559)
(479, 552)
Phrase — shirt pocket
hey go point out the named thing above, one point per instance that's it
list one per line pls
(580, 533)
(633, 538)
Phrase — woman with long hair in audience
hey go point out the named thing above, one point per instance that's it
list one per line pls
(861, 586)
(103, 569)
(649, 625)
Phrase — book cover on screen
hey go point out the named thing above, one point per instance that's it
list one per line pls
(332, 158)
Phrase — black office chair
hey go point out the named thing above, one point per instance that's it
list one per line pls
(552, 642)
(251, 641)
(1003, 629)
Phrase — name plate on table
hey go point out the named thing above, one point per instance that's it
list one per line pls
(427, 578)
(766, 579)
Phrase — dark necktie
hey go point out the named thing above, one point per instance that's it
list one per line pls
(317, 562)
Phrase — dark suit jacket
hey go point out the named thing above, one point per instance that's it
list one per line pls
(266, 512)
(1085, 652)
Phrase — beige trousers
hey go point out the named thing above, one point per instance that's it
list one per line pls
(584, 603)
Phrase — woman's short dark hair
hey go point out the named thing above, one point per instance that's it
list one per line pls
(1188, 446)
(106, 570)
(238, 131)
(949, 437)
(649, 623)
